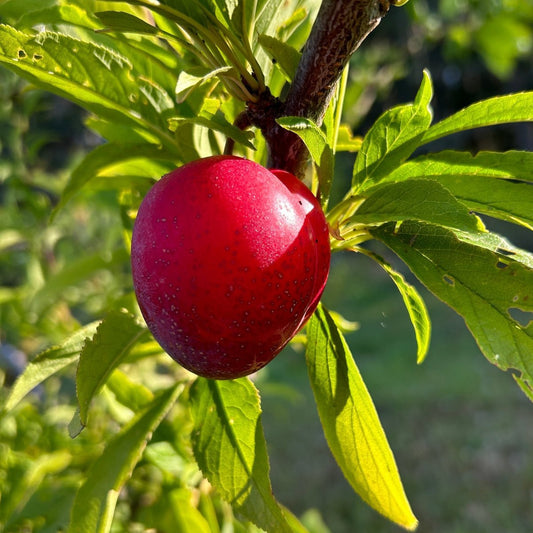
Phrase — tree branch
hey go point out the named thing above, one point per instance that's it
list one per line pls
(339, 29)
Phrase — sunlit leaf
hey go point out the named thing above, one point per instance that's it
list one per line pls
(414, 304)
(188, 81)
(514, 165)
(106, 157)
(351, 424)
(346, 141)
(132, 395)
(467, 177)
(93, 76)
(284, 55)
(489, 285)
(393, 138)
(316, 142)
(96, 498)
(114, 338)
(498, 110)
(186, 517)
(30, 13)
(229, 446)
(414, 199)
(125, 22)
(218, 122)
(49, 362)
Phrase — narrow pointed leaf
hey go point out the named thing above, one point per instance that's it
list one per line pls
(285, 56)
(414, 304)
(185, 517)
(114, 338)
(188, 81)
(492, 183)
(393, 138)
(107, 156)
(96, 498)
(134, 396)
(93, 76)
(415, 199)
(316, 142)
(516, 107)
(217, 122)
(230, 448)
(351, 423)
(125, 22)
(48, 363)
(346, 141)
(514, 165)
(488, 284)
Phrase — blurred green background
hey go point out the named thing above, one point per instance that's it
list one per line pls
(461, 429)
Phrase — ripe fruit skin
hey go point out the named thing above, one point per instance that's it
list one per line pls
(229, 260)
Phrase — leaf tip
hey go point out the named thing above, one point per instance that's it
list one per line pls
(412, 525)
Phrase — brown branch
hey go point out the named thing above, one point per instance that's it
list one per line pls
(339, 29)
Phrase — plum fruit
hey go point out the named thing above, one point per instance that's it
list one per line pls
(229, 260)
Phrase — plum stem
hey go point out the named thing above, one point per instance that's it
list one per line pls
(339, 29)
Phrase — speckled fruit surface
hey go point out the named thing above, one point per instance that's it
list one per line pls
(229, 260)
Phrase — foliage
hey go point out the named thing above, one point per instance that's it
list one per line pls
(165, 83)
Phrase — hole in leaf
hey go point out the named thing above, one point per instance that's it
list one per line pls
(22, 54)
(503, 251)
(520, 316)
(449, 280)
(501, 265)
(37, 57)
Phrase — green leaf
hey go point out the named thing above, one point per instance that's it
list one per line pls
(414, 199)
(78, 270)
(230, 448)
(393, 138)
(467, 177)
(93, 76)
(351, 424)
(213, 118)
(257, 17)
(96, 498)
(516, 107)
(313, 137)
(13, 9)
(30, 13)
(346, 141)
(132, 395)
(125, 22)
(187, 518)
(46, 464)
(514, 165)
(414, 303)
(188, 81)
(316, 142)
(48, 363)
(284, 55)
(114, 338)
(106, 158)
(490, 286)
(497, 244)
